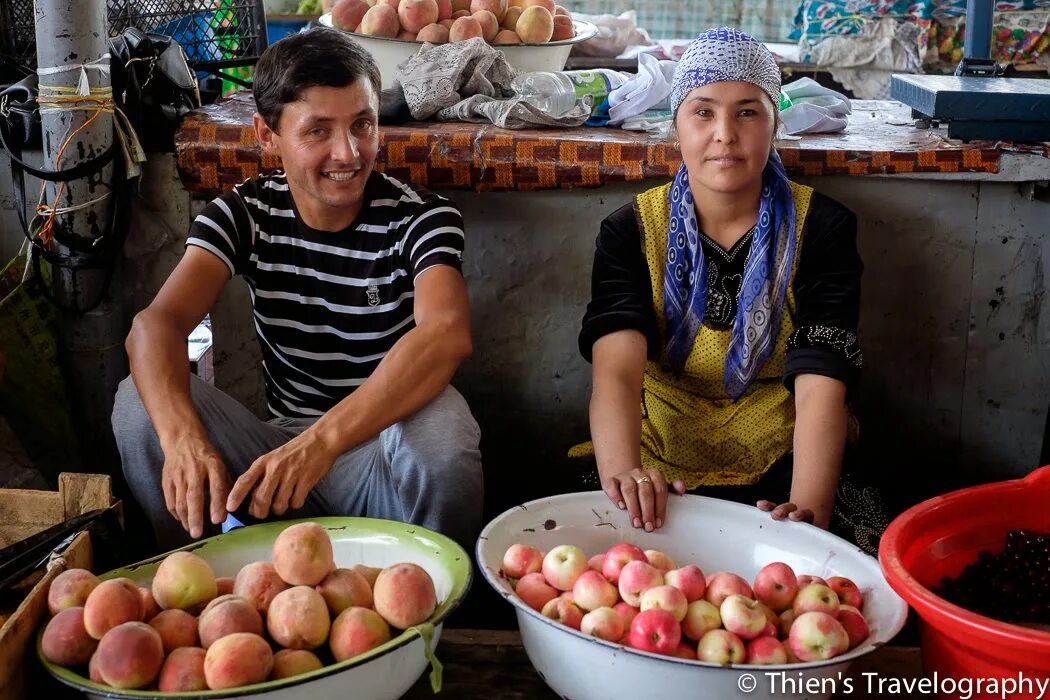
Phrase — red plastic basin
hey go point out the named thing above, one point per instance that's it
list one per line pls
(939, 538)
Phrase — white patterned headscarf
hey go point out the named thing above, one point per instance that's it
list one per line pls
(721, 55)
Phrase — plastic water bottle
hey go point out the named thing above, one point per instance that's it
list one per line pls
(557, 93)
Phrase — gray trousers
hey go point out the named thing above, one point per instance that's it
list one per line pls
(424, 470)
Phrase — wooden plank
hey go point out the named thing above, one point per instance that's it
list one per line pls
(24, 513)
(84, 492)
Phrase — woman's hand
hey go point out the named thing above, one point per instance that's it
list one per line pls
(643, 494)
(786, 510)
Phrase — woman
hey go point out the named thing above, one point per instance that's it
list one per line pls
(728, 300)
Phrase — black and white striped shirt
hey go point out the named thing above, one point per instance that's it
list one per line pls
(328, 306)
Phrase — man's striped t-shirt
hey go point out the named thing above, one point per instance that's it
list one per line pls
(328, 306)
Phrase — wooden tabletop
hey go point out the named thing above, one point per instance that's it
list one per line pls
(493, 665)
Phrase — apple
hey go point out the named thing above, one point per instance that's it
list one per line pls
(535, 591)
(666, 598)
(816, 598)
(817, 636)
(852, 620)
(787, 618)
(521, 559)
(564, 611)
(595, 562)
(776, 585)
(563, 565)
(660, 560)
(591, 591)
(721, 647)
(656, 631)
(635, 578)
(604, 623)
(626, 612)
(685, 651)
(742, 616)
(700, 618)
(724, 584)
(847, 591)
(765, 651)
(689, 580)
(806, 579)
(617, 557)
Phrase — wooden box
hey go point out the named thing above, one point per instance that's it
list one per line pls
(24, 513)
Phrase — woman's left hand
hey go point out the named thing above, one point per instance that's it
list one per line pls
(786, 510)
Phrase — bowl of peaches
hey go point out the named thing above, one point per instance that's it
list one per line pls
(721, 598)
(283, 610)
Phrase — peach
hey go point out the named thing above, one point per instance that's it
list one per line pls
(345, 588)
(504, 37)
(465, 27)
(560, 11)
(177, 628)
(591, 591)
(603, 623)
(130, 655)
(93, 670)
(404, 595)
(496, 7)
(406, 36)
(635, 578)
(111, 603)
(238, 659)
(70, 589)
(510, 18)
(447, 23)
(390, 3)
(259, 584)
(460, 13)
(416, 14)
(371, 573)
(521, 559)
(292, 662)
(347, 14)
(565, 611)
(444, 9)
(489, 24)
(229, 616)
(302, 554)
(534, 590)
(380, 20)
(356, 631)
(65, 641)
(545, 4)
(434, 34)
(298, 618)
(461, 6)
(224, 585)
(563, 28)
(221, 599)
(535, 26)
(150, 609)
(183, 580)
(183, 671)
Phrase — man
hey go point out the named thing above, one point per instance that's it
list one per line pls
(361, 313)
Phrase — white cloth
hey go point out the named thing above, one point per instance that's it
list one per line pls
(814, 108)
(649, 89)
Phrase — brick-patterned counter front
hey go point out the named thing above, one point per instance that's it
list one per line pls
(217, 149)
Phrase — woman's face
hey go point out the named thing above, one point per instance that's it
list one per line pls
(726, 132)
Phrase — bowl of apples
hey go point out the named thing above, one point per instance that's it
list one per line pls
(721, 597)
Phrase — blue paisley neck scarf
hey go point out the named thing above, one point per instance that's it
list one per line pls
(725, 54)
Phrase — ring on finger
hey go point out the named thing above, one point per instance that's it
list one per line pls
(643, 480)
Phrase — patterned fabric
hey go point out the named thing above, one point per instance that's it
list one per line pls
(767, 20)
(722, 54)
(837, 339)
(716, 56)
(691, 430)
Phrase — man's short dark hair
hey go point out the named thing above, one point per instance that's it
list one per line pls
(317, 57)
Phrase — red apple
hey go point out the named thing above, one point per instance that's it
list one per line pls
(685, 651)
(521, 559)
(765, 651)
(660, 560)
(626, 612)
(742, 616)
(816, 598)
(806, 579)
(721, 647)
(656, 631)
(666, 598)
(847, 591)
(689, 580)
(817, 636)
(595, 562)
(563, 611)
(591, 591)
(724, 584)
(535, 591)
(787, 618)
(617, 557)
(700, 618)
(604, 623)
(563, 565)
(853, 622)
(636, 578)
(776, 585)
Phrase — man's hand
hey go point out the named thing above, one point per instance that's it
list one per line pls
(282, 479)
(192, 466)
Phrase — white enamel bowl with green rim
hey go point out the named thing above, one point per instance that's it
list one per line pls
(716, 536)
(386, 672)
(524, 58)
